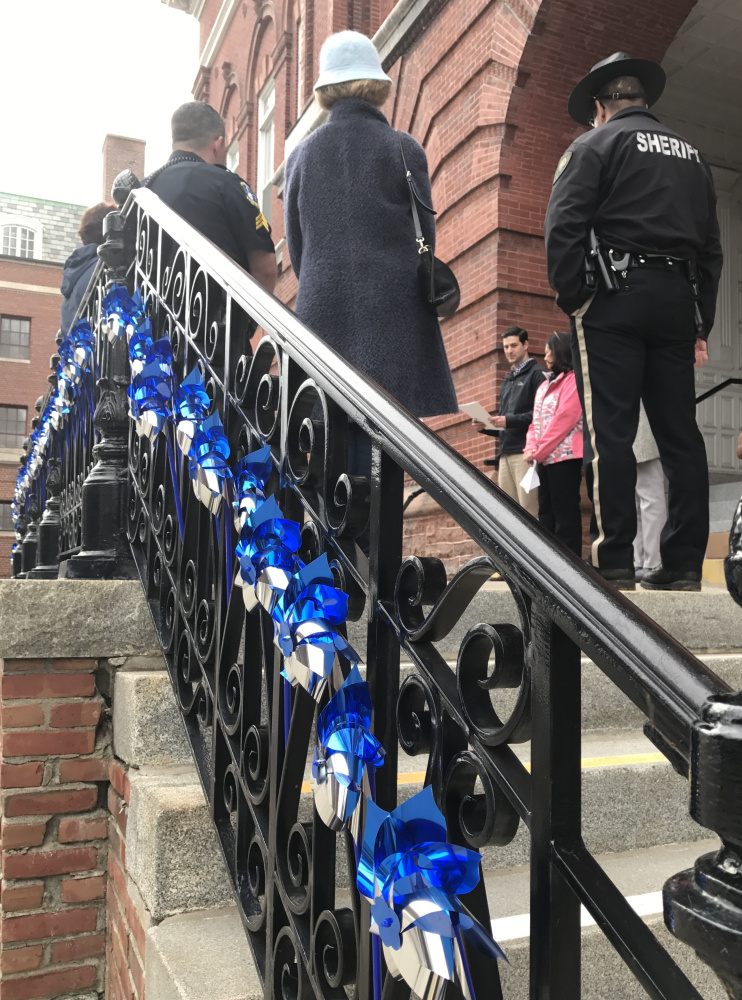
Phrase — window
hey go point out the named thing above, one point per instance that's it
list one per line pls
(266, 104)
(6, 521)
(12, 426)
(15, 334)
(233, 156)
(19, 241)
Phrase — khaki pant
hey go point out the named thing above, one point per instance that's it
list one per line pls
(511, 470)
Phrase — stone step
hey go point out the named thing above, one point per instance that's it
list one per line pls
(201, 956)
(640, 876)
(172, 851)
(148, 728)
(704, 620)
(730, 492)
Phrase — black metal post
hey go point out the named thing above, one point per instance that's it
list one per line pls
(105, 552)
(703, 905)
(47, 550)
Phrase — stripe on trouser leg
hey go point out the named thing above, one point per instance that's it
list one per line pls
(588, 400)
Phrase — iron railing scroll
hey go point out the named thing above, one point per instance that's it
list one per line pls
(252, 731)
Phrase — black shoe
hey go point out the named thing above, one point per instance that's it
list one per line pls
(671, 579)
(622, 579)
(640, 574)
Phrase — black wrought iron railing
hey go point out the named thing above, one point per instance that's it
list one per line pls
(252, 731)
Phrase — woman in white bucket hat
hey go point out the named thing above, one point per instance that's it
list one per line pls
(351, 237)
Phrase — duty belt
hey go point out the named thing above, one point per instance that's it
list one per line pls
(622, 262)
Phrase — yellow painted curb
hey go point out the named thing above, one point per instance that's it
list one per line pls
(713, 571)
(417, 777)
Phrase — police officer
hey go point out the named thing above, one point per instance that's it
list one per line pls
(196, 184)
(633, 253)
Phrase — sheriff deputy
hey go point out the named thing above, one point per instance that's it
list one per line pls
(633, 252)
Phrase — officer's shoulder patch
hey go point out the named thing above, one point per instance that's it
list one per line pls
(562, 165)
(249, 194)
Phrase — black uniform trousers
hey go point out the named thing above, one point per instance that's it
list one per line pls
(559, 501)
(639, 343)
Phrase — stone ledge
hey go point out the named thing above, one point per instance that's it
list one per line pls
(74, 618)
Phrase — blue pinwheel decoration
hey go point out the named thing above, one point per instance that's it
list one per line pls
(307, 618)
(149, 398)
(207, 467)
(412, 877)
(345, 749)
(121, 312)
(251, 475)
(191, 405)
(77, 350)
(267, 554)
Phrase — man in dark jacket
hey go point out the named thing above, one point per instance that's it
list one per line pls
(516, 412)
(79, 266)
(196, 184)
(642, 310)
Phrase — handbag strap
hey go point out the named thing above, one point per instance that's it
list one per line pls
(419, 238)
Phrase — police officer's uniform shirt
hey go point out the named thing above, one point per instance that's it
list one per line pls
(643, 189)
(216, 202)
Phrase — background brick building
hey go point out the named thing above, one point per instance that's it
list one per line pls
(483, 85)
(37, 236)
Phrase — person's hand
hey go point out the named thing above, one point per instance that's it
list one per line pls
(528, 456)
(739, 447)
(478, 426)
(702, 353)
(499, 422)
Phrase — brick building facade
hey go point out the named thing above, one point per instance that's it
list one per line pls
(37, 237)
(483, 85)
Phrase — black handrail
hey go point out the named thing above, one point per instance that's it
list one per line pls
(717, 388)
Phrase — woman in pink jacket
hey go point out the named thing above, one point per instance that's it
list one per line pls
(554, 440)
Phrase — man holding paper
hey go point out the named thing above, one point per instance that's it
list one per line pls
(517, 393)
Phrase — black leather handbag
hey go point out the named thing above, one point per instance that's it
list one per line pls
(438, 283)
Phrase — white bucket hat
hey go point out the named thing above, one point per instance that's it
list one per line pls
(348, 55)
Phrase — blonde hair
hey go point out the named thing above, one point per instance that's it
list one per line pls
(373, 91)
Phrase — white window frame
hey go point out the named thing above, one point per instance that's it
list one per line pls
(233, 155)
(266, 147)
(299, 67)
(25, 223)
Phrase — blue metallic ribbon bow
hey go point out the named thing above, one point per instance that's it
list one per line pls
(412, 877)
(346, 747)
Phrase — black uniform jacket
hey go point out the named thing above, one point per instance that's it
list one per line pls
(215, 202)
(642, 188)
(516, 405)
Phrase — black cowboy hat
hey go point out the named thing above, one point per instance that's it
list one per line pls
(651, 74)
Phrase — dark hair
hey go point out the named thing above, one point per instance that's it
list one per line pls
(516, 331)
(621, 92)
(561, 348)
(91, 223)
(197, 124)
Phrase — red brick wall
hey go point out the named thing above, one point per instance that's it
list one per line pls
(54, 776)
(22, 382)
(67, 920)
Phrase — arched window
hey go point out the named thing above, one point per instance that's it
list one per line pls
(20, 238)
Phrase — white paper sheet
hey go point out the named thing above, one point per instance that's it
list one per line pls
(477, 412)
(530, 481)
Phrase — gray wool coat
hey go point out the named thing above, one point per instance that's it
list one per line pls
(351, 239)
